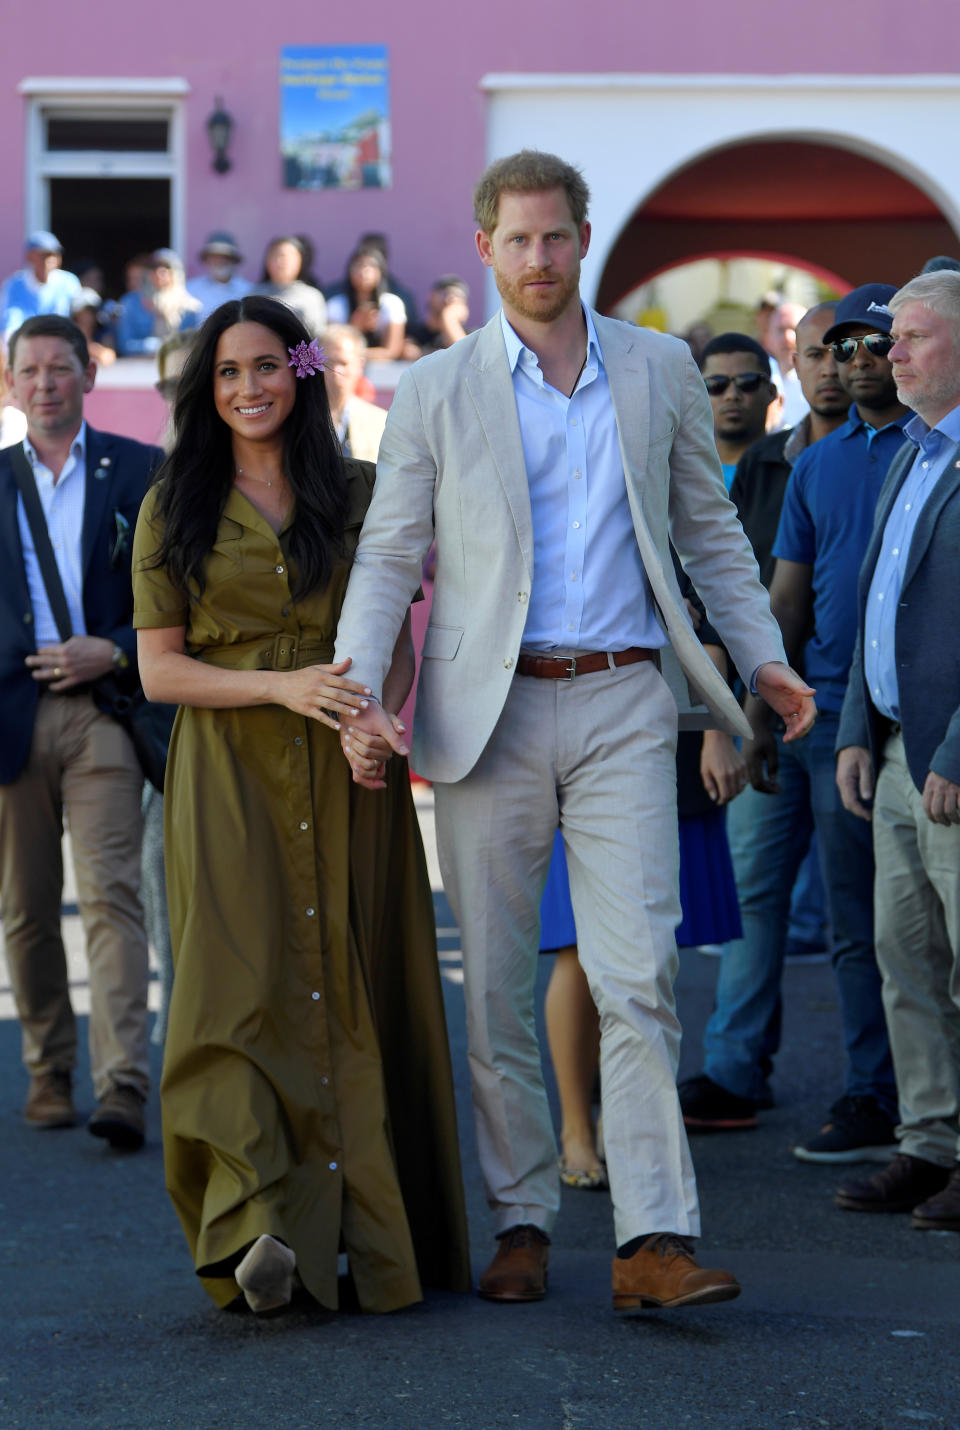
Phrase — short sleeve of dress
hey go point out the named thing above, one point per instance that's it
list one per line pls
(156, 601)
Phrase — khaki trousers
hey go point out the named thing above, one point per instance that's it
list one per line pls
(82, 766)
(596, 755)
(917, 903)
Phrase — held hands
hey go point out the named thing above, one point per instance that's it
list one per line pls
(722, 767)
(789, 696)
(368, 740)
(76, 661)
(320, 692)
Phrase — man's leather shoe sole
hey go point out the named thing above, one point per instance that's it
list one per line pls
(703, 1296)
(514, 1296)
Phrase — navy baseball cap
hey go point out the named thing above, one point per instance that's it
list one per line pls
(867, 304)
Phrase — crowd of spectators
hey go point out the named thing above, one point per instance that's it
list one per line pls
(159, 300)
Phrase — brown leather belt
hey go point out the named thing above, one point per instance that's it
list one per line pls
(566, 667)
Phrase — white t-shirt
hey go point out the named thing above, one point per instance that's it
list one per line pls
(391, 311)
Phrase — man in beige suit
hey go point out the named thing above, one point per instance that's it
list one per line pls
(555, 454)
(358, 424)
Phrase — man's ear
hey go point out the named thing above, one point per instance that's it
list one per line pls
(484, 243)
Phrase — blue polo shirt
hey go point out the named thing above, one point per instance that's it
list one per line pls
(825, 523)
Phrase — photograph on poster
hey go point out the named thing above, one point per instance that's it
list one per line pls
(335, 116)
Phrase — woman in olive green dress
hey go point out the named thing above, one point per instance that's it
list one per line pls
(306, 1094)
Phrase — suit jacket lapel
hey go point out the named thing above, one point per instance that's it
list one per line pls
(628, 380)
(11, 546)
(490, 384)
(946, 487)
(99, 478)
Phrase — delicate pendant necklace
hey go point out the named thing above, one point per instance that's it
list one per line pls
(261, 481)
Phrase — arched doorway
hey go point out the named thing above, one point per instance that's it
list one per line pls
(797, 201)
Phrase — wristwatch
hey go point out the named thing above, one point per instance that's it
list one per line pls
(120, 658)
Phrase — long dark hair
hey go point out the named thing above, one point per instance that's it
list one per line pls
(365, 251)
(195, 480)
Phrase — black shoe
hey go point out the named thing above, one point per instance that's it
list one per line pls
(905, 1183)
(708, 1107)
(858, 1131)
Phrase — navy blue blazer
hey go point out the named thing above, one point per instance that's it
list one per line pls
(927, 637)
(118, 473)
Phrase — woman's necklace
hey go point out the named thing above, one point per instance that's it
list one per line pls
(261, 481)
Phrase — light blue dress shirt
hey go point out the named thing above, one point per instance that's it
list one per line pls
(590, 591)
(935, 447)
(63, 505)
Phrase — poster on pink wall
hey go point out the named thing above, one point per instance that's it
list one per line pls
(335, 116)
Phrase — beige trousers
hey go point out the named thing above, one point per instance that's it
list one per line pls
(82, 766)
(917, 931)
(597, 755)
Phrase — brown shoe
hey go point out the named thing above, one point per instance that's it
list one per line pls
(663, 1272)
(121, 1117)
(902, 1185)
(942, 1211)
(50, 1100)
(518, 1272)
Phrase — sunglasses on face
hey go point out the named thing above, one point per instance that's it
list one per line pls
(743, 382)
(876, 344)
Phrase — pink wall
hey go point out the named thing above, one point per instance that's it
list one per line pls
(438, 55)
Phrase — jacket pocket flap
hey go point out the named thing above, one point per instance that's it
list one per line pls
(442, 642)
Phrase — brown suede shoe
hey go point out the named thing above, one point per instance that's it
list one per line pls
(50, 1100)
(663, 1272)
(518, 1272)
(942, 1211)
(902, 1185)
(121, 1117)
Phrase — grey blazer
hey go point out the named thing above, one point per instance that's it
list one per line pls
(451, 465)
(927, 633)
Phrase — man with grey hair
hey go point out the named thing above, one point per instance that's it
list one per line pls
(901, 718)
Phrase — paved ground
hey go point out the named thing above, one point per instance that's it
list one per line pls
(848, 1322)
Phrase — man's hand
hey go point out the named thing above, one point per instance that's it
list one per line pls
(941, 800)
(367, 740)
(77, 661)
(789, 696)
(722, 767)
(855, 781)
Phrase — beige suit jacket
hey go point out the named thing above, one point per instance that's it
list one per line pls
(365, 426)
(451, 464)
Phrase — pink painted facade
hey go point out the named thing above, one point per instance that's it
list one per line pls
(438, 57)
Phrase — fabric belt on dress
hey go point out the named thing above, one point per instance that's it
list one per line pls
(567, 667)
(283, 652)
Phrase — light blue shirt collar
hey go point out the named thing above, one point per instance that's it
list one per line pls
(516, 347)
(918, 431)
(78, 449)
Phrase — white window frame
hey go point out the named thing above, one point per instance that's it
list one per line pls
(101, 98)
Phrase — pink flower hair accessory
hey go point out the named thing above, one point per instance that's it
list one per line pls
(307, 358)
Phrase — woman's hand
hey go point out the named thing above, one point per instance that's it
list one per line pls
(320, 692)
(722, 767)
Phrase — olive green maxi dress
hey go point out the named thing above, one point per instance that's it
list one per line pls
(306, 1087)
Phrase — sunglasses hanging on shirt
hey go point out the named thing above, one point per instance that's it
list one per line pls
(876, 344)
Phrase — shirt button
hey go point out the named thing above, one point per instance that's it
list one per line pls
(333, 1166)
(577, 476)
(522, 597)
(879, 595)
(28, 618)
(874, 644)
(573, 422)
(310, 913)
(284, 612)
(298, 739)
(324, 1081)
(507, 663)
(907, 507)
(304, 824)
(279, 570)
(571, 626)
(896, 551)
(573, 575)
(576, 526)
(315, 997)
(924, 465)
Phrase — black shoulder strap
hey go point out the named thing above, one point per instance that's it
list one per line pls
(23, 473)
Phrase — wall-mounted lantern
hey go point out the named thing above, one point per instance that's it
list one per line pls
(220, 131)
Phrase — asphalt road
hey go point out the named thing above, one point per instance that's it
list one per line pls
(849, 1322)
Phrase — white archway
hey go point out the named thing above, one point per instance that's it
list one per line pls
(631, 132)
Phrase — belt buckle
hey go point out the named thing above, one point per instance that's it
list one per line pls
(284, 652)
(571, 667)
